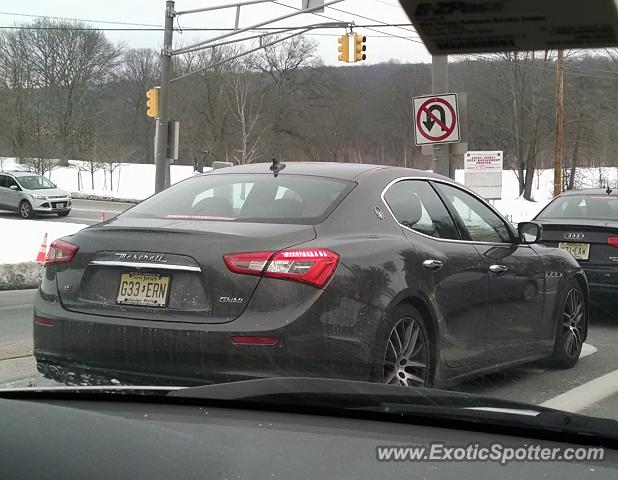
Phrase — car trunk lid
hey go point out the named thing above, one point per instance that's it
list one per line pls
(180, 261)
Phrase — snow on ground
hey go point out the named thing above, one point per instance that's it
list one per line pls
(134, 182)
(129, 181)
(21, 239)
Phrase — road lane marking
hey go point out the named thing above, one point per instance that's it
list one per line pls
(586, 395)
(588, 350)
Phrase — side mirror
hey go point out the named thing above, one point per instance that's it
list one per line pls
(14, 188)
(529, 232)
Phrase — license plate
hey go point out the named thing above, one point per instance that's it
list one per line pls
(59, 205)
(143, 289)
(580, 251)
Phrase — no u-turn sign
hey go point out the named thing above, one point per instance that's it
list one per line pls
(436, 119)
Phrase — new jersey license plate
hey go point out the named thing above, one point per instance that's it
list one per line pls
(143, 289)
(580, 251)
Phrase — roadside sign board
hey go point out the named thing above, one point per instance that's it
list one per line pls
(436, 119)
(483, 173)
(473, 26)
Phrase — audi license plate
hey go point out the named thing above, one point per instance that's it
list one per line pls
(580, 251)
(143, 289)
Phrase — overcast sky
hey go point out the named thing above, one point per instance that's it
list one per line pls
(379, 49)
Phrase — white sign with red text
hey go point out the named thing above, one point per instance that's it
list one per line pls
(483, 173)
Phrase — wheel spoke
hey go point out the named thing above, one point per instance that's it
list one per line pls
(408, 336)
(393, 349)
(414, 378)
(415, 365)
(396, 335)
(413, 341)
(392, 376)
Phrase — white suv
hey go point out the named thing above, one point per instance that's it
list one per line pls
(30, 194)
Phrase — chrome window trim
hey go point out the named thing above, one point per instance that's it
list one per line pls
(158, 266)
(452, 184)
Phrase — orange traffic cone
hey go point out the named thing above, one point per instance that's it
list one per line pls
(40, 258)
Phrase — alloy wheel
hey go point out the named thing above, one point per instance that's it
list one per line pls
(406, 358)
(572, 323)
(24, 209)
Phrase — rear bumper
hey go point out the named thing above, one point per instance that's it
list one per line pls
(90, 349)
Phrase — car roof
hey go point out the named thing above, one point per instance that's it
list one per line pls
(590, 191)
(18, 173)
(343, 171)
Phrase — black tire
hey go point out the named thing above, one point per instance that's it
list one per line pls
(25, 210)
(571, 327)
(63, 214)
(401, 362)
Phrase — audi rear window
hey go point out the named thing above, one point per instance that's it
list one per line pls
(597, 207)
(255, 198)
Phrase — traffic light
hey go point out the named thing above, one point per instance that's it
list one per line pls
(344, 48)
(152, 104)
(359, 47)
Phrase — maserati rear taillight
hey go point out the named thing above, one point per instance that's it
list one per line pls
(60, 252)
(313, 266)
(613, 241)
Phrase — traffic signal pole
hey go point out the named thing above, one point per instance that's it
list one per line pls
(161, 160)
(441, 156)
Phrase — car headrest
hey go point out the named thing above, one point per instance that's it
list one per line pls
(408, 209)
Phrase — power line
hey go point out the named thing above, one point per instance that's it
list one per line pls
(567, 71)
(184, 29)
(369, 28)
(372, 19)
(108, 22)
(387, 3)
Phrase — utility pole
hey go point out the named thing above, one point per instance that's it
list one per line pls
(441, 161)
(559, 122)
(161, 161)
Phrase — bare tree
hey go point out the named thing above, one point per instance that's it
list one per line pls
(67, 59)
(246, 106)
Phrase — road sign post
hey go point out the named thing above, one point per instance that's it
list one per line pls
(436, 119)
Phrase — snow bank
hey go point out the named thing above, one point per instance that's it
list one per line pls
(20, 276)
(129, 181)
(21, 239)
(19, 245)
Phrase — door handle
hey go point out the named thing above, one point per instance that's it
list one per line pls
(498, 269)
(433, 264)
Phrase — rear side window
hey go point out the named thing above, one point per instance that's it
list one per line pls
(2, 180)
(417, 206)
(256, 198)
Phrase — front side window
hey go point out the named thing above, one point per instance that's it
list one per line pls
(9, 182)
(417, 206)
(35, 182)
(482, 224)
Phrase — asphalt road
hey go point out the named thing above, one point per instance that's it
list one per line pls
(84, 211)
(533, 383)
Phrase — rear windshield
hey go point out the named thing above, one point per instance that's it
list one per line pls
(255, 198)
(597, 207)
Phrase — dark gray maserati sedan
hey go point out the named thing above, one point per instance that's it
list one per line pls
(317, 270)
